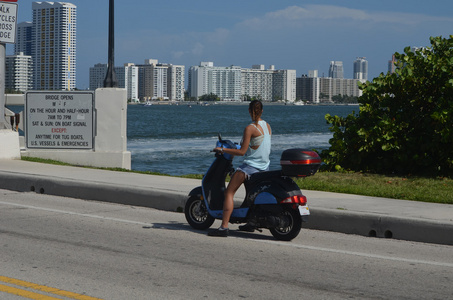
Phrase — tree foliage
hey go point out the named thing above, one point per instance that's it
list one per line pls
(405, 123)
(344, 99)
(209, 97)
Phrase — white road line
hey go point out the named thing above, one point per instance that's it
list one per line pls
(367, 255)
(345, 252)
(76, 214)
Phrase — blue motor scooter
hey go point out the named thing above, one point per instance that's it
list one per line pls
(273, 200)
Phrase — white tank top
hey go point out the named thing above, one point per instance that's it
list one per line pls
(259, 158)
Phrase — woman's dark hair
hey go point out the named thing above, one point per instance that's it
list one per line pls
(256, 109)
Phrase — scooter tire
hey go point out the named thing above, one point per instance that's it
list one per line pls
(290, 225)
(197, 214)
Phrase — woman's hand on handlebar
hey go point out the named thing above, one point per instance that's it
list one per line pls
(218, 149)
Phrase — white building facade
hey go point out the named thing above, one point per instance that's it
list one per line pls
(284, 85)
(54, 40)
(19, 72)
(257, 82)
(127, 77)
(176, 85)
(235, 83)
(160, 81)
(225, 82)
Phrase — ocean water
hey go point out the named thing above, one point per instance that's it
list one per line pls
(177, 139)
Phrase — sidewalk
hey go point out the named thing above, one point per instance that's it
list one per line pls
(367, 216)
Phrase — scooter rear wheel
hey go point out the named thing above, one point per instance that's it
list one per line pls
(290, 225)
(197, 214)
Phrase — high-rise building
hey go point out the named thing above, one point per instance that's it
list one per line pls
(391, 64)
(54, 40)
(127, 77)
(225, 82)
(145, 82)
(24, 38)
(284, 85)
(322, 89)
(257, 82)
(336, 69)
(97, 76)
(234, 83)
(176, 86)
(18, 72)
(19, 67)
(361, 69)
(160, 81)
(307, 88)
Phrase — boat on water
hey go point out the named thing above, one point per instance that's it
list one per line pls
(148, 103)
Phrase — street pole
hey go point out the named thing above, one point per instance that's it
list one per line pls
(110, 80)
(2, 85)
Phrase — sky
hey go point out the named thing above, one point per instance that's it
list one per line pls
(300, 35)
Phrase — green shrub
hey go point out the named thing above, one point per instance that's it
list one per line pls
(405, 121)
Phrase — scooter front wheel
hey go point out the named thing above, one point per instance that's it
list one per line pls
(289, 225)
(197, 214)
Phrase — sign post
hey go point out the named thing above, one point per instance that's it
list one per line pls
(8, 22)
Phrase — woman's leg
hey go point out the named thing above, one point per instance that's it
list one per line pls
(228, 205)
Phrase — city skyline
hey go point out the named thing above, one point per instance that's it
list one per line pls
(288, 34)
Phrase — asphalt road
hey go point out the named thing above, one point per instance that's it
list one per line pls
(74, 249)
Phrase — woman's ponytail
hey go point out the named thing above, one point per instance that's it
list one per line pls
(256, 109)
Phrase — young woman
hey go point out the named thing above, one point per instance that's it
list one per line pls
(256, 146)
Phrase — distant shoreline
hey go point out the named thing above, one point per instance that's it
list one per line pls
(209, 103)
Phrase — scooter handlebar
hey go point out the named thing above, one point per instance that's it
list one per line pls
(227, 144)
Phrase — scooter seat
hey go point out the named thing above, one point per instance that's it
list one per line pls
(260, 176)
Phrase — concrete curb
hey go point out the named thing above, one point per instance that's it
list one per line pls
(153, 198)
(336, 220)
(375, 225)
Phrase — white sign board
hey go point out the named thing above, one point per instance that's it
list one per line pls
(8, 21)
(59, 120)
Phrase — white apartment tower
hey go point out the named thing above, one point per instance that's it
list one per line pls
(225, 82)
(161, 81)
(284, 85)
(257, 82)
(127, 78)
(235, 83)
(176, 85)
(54, 39)
(361, 69)
(19, 72)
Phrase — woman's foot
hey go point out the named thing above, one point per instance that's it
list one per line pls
(247, 227)
(222, 232)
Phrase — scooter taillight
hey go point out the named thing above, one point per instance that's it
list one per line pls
(297, 199)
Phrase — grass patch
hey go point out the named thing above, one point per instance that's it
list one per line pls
(436, 190)
(56, 162)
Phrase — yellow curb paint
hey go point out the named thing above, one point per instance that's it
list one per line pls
(24, 293)
(43, 288)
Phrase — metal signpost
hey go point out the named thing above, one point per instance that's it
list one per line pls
(8, 22)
